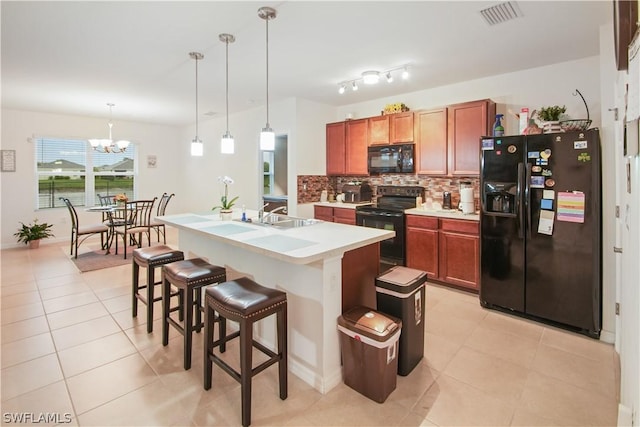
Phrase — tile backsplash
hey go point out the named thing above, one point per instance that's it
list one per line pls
(310, 186)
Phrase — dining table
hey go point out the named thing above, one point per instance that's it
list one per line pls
(113, 216)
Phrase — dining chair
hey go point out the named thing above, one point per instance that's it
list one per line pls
(80, 233)
(162, 206)
(137, 216)
(113, 218)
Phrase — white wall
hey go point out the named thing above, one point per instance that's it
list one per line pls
(18, 200)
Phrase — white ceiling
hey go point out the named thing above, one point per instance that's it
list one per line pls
(74, 57)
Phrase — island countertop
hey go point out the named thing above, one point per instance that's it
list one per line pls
(300, 245)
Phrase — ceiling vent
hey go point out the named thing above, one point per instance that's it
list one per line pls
(500, 13)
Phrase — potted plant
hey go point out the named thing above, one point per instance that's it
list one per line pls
(550, 117)
(32, 234)
(225, 204)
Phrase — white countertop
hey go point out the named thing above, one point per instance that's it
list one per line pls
(450, 214)
(302, 245)
(342, 204)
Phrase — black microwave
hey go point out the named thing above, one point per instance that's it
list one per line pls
(397, 158)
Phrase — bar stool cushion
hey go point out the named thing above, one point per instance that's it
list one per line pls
(244, 297)
(193, 271)
(156, 255)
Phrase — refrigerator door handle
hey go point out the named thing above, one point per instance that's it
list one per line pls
(519, 201)
(528, 199)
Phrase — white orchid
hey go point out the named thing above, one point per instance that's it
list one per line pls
(225, 203)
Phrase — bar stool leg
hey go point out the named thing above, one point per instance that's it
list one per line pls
(282, 350)
(166, 296)
(188, 326)
(134, 280)
(246, 348)
(151, 278)
(209, 326)
(198, 298)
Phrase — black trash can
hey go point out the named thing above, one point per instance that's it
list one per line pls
(369, 344)
(400, 293)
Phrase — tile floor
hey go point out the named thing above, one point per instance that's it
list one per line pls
(70, 346)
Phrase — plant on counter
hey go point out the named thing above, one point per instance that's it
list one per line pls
(33, 232)
(551, 114)
(225, 203)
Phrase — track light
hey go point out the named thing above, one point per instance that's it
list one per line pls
(370, 77)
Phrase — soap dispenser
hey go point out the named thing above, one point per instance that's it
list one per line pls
(498, 129)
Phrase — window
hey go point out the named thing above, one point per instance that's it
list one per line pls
(268, 172)
(71, 168)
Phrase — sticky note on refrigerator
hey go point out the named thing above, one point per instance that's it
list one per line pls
(548, 194)
(571, 206)
(546, 204)
(545, 226)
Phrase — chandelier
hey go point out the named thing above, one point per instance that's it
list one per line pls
(109, 145)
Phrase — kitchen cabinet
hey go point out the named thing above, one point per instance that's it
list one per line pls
(339, 215)
(391, 129)
(466, 123)
(422, 244)
(335, 146)
(346, 145)
(447, 249)
(378, 130)
(431, 141)
(459, 253)
(448, 138)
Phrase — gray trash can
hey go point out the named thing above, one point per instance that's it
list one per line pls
(369, 344)
(400, 292)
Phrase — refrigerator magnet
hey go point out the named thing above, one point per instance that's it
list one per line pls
(584, 157)
(548, 194)
(487, 144)
(579, 145)
(546, 204)
(545, 226)
(512, 149)
(545, 154)
(546, 172)
(537, 182)
(549, 182)
(542, 162)
(536, 169)
(533, 154)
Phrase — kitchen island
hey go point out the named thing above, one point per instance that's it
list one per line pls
(306, 262)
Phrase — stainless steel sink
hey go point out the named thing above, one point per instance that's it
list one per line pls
(284, 221)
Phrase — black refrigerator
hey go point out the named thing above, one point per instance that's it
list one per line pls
(541, 228)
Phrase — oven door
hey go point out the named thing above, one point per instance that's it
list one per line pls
(391, 250)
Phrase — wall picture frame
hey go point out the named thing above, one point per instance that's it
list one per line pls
(8, 159)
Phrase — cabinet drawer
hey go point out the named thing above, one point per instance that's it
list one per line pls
(460, 226)
(345, 214)
(323, 212)
(420, 221)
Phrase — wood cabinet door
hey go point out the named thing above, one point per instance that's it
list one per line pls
(378, 130)
(344, 216)
(431, 141)
(356, 147)
(401, 128)
(459, 259)
(422, 250)
(336, 137)
(324, 213)
(467, 122)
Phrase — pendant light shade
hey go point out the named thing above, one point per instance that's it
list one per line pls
(227, 143)
(197, 148)
(267, 136)
(109, 145)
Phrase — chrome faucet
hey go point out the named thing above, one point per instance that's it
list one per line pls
(278, 209)
(261, 212)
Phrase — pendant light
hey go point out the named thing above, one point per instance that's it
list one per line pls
(197, 148)
(267, 136)
(227, 143)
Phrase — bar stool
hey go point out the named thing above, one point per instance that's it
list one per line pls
(246, 302)
(188, 276)
(150, 258)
